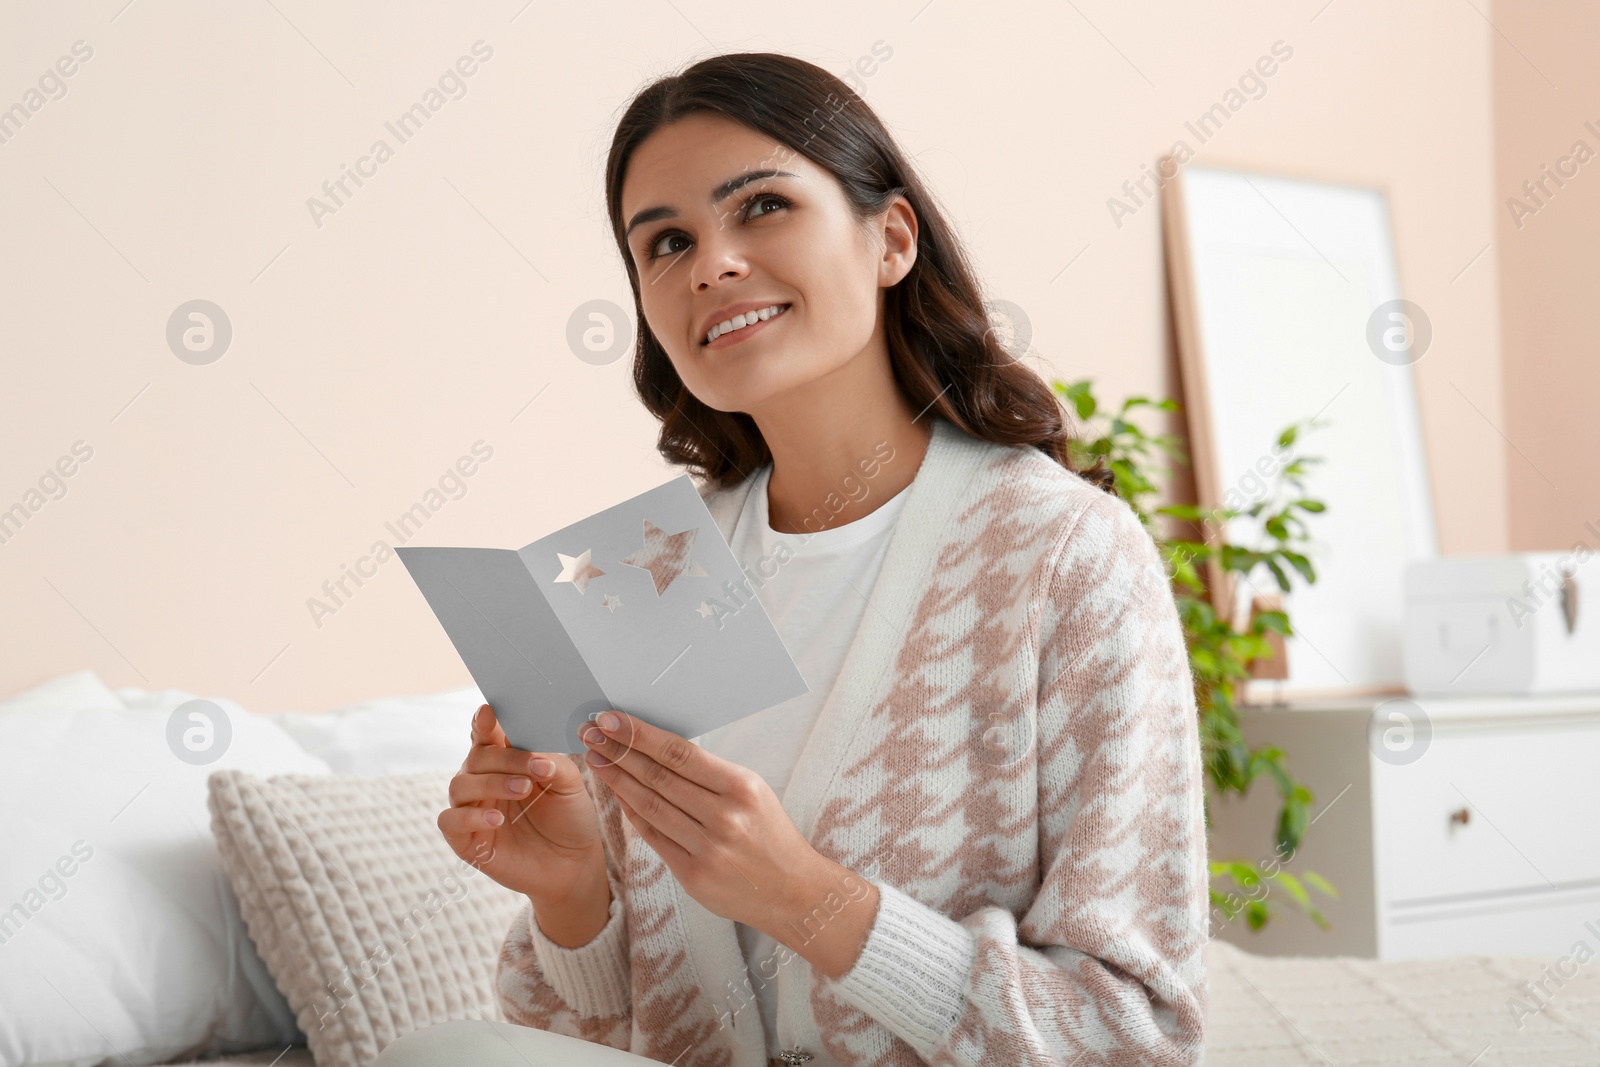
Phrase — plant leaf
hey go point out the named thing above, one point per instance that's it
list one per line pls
(1316, 881)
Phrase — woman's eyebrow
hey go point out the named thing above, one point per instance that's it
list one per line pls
(721, 192)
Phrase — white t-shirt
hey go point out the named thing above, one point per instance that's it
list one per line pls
(804, 581)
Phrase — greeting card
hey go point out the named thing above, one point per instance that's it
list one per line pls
(641, 607)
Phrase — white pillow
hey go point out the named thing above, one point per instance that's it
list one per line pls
(390, 735)
(80, 691)
(120, 937)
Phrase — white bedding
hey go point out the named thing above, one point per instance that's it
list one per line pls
(120, 937)
(140, 956)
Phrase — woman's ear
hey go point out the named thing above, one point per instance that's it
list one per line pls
(899, 242)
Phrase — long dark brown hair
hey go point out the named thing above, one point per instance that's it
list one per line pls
(942, 349)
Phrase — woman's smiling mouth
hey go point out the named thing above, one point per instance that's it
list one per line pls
(741, 326)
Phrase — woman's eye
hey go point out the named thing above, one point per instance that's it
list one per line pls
(764, 198)
(655, 251)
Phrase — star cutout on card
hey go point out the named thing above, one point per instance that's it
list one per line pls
(612, 602)
(665, 556)
(578, 569)
(705, 609)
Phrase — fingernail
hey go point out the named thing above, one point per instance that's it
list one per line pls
(594, 759)
(541, 767)
(591, 736)
(608, 721)
(494, 817)
(518, 785)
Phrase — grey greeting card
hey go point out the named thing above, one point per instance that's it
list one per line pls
(641, 607)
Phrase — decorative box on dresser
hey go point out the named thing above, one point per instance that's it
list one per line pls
(1448, 826)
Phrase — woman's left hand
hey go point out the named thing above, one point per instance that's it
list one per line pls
(718, 826)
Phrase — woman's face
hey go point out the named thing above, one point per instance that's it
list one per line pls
(708, 241)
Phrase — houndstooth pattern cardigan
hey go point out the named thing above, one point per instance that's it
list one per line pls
(1010, 753)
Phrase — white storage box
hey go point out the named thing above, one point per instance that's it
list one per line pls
(1523, 623)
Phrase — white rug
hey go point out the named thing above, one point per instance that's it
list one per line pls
(1269, 1011)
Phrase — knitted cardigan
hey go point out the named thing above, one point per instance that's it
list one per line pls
(1010, 754)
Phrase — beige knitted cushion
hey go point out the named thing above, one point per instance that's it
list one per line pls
(371, 926)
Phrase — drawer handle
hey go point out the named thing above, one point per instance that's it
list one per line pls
(1460, 816)
(1569, 599)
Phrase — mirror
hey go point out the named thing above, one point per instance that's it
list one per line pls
(1287, 304)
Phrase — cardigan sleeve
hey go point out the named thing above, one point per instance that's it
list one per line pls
(1107, 964)
(582, 992)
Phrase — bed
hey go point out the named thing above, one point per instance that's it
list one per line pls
(175, 908)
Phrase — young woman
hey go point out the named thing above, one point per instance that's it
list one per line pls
(979, 837)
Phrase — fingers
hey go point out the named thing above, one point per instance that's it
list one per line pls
(472, 788)
(464, 821)
(677, 754)
(522, 776)
(486, 728)
(491, 753)
(487, 759)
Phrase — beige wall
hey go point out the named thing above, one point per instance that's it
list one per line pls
(1546, 101)
(371, 352)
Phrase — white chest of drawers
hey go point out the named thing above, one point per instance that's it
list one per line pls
(1488, 841)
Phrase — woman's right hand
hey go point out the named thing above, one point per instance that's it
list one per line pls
(535, 833)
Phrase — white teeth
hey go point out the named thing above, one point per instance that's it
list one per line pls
(739, 322)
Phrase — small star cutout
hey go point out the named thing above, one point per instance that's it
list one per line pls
(665, 556)
(706, 609)
(612, 602)
(578, 569)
